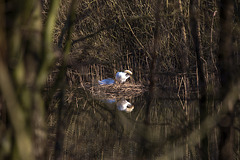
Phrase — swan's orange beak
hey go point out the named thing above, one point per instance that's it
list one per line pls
(128, 72)
(129, 109)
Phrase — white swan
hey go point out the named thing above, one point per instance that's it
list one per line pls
(123, 76)
(106, 81)
(124, 105)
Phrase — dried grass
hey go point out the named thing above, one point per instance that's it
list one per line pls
(116, 91)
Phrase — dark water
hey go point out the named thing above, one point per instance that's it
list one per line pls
(96, 129)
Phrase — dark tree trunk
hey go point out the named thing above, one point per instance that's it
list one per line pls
(147, 149)
(195, 30)
(225, 70)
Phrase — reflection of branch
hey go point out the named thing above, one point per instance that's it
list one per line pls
(210, 122)
(112, 124)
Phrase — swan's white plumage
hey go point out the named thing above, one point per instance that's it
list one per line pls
(123, 76)
(106, 81)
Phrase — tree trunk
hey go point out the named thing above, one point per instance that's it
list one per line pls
(183, 55)
(195, 30)
(147, 148)
(225, 69)
(24, 67)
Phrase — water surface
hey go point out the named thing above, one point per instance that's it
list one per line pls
(96, 129)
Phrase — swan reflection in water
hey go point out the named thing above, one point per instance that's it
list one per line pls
(124, 105)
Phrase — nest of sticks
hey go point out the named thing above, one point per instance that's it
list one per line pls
(117, 91)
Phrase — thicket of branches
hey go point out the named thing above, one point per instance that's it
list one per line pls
(95, 39)
(118, 35)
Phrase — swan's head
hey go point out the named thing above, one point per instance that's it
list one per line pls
(129, 109)
(128, 72)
